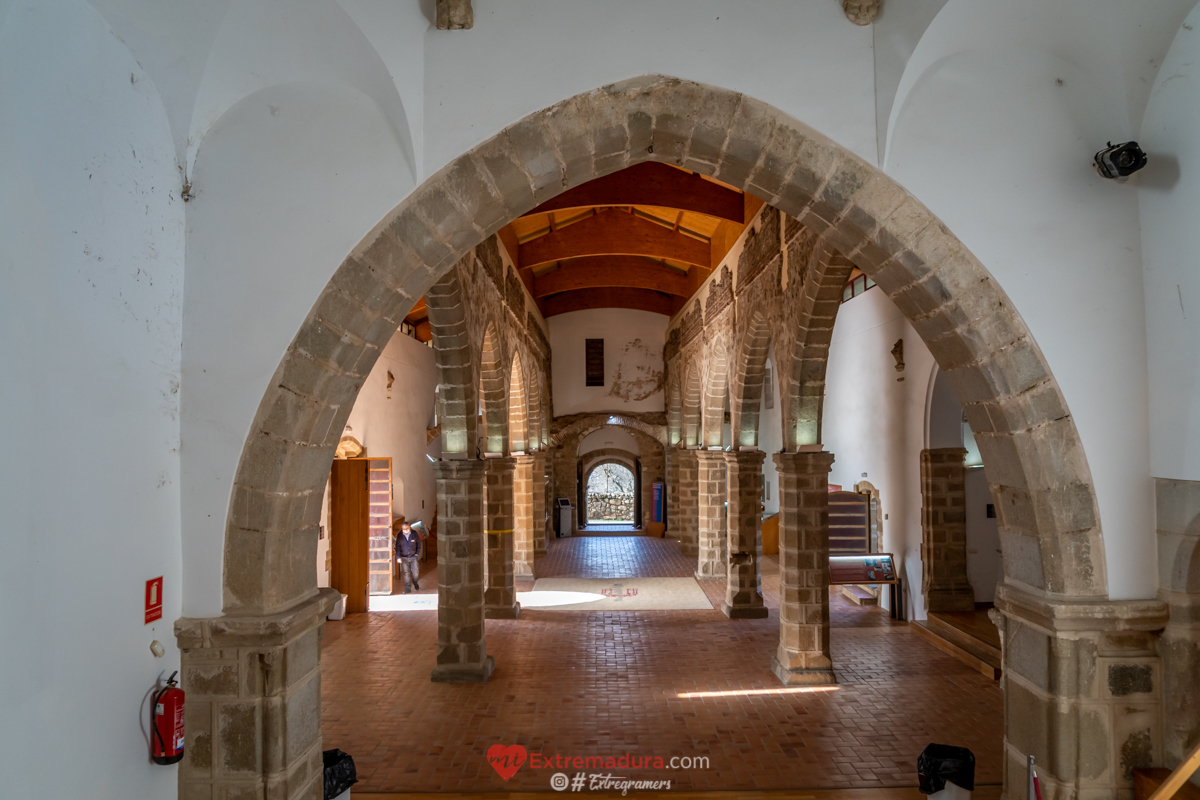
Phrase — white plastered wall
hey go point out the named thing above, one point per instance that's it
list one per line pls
(1169, 194)
(633, 367)
(91, 276)
(997, 118)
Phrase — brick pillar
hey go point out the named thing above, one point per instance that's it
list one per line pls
(711, 531)
(500, 595)
(523, 516)
(743, 476)
(462, 652)
(944, 531)
(672, 499)
(687, 510)
(803, 655)
(539, 491)
(253, 716)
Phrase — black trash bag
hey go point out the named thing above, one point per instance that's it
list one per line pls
(340, 774)
(939, 763)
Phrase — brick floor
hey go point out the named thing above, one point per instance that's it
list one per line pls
(607, 683)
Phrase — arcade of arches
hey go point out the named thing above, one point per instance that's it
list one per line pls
(1081, 673)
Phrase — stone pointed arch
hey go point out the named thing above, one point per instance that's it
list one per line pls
(690, 404)
(518, 408)
(751, 366)
(674, 411)
(493, 393)
(716, 393)
(819, 303)
(455, 363)
(1039, 474)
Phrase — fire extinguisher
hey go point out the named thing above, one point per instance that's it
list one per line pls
(166, 723)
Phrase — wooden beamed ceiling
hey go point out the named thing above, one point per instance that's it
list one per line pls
(653, 184)
(646, 238)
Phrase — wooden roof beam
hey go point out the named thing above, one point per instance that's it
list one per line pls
(652, 184)
(580, 300)
(603, 272)
(612, 232)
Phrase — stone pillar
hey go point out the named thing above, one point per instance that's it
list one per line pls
(540, 491)
(803, 656)
(743, 475)
(687, 514)
(672, 499)
(1178, 513)
(944, 531)
(523, 516)
(253, 717)
(711, 531)
(462, 653)
(500, 595)
(1083, 691)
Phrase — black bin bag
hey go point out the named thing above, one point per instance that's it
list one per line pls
(339, 773)
(939, 763)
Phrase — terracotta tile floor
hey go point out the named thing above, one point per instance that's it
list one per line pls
(607, 683)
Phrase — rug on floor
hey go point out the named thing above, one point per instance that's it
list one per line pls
(615, 594)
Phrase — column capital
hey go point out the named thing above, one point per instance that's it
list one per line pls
(457, 469)
(814, 463)
(523, 458)
(709, 455)
(746, 458)
(497, 465)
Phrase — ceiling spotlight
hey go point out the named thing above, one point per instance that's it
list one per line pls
(1118, 161)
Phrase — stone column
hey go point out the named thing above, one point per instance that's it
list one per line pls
(803, 656)
(687, 513)
(462, 653)
(711, 531)
(944, 531)
(500, 595)
(1083, 691)
(672, 499)
(1178, 513)
(253, 713)
(540, 491)
(523, 516)
(743, 476)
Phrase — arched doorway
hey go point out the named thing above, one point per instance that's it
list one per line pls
(611, 494)
(1048, 514)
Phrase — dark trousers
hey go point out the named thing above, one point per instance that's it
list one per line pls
(410, 569)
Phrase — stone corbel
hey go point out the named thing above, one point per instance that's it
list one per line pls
(860, 12)
(456, 15)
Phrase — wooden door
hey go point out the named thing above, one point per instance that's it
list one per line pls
(849, 533)
(379, 525)
(348, 506)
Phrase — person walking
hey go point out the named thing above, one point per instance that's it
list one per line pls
(409, 549)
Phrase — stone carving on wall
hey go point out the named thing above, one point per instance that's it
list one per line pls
(720, 295)
(514, 294)
(761, 248)
(488, 252)
(860, 12)
(537, 335)
(455, 15)
(671, 348)
(692, 324)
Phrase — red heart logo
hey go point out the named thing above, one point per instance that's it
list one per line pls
(506, 760)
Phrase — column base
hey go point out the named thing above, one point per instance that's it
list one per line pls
(502, 612)
(455, 673)
(744, 612)
(802, 677)
(950, 600)
(523, 570)
(702, 576)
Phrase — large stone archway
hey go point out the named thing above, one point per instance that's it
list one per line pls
(266, 730)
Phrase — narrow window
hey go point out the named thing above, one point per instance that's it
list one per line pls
(594, 362)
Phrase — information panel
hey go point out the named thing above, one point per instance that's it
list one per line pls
(866, 568)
